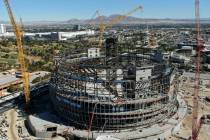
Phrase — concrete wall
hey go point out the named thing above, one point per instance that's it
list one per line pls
(143, 74)
(93, 52)
(39, 133)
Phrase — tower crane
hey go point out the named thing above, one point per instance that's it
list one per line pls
(115, 21)
(152, 41)
(21, 57)
(96, 15)
(102, 29)
(21, 24)
(196, 121)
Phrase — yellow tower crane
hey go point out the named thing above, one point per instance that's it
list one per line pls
(96, 15)
(92, 22)
(21, 57)
(102, 29)
(115, 21)
(21, 25)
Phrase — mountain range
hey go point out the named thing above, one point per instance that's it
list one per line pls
(135, 20)
(128, 20)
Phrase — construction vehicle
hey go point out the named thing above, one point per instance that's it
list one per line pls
(21, 56)
(115, 21)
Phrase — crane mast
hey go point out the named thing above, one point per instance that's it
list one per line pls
(101, 24)
(21, 57)
(195, 119)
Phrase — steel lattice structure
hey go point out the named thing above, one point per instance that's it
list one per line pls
(112, 88)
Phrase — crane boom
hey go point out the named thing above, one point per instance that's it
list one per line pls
(21, 24)
(115, 21)
(123, 17)
(97, 15)
(21, 57)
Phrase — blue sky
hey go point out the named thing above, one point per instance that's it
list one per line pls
(31, 10)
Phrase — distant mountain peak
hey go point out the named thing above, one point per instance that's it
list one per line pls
(107, 19)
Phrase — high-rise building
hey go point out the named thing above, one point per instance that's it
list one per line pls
(77, 27)
(3, 29)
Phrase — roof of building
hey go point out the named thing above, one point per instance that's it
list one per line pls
(186, 48)
(93, 48)
(6, 77)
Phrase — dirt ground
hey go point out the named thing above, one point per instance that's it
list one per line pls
(12, 131)
(187, 90)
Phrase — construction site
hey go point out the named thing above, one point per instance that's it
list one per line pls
(118, 91)
(115, 92)
(111, 89)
